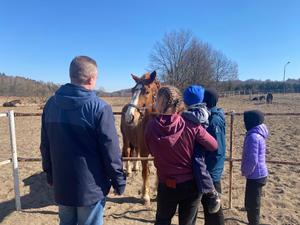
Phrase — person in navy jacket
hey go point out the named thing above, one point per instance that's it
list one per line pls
(79, 147)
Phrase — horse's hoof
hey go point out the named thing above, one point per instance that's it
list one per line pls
(128, 171)
(146, 200)
(135, 169)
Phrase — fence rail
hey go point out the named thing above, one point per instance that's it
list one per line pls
(120, 113)
(33, 159)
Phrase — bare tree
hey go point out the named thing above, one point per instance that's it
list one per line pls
(182, 59)
(168, 57)
(224, 69)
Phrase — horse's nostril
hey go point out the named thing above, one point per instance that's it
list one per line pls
(131, 118)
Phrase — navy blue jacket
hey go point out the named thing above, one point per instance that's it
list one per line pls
(217, 128)
(203, 179)
(79, 147)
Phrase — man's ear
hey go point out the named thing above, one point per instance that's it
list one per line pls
(89, 80)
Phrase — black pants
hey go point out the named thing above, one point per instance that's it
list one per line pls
(253, 199)
(185, 195)
(216, 218)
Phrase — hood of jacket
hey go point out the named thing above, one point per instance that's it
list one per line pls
(259, 129)
(71, 96)
(197, 113)
(170, 128)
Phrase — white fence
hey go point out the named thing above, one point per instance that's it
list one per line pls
(14, 157)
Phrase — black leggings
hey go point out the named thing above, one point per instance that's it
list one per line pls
(253, 199)
(185, 195)
(216, 218)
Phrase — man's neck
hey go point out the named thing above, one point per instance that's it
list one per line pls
(86, 86)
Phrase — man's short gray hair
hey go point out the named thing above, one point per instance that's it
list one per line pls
(81, 69)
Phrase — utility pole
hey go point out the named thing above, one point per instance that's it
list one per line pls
(284, 76)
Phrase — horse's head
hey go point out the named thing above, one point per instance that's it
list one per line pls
(143, 97)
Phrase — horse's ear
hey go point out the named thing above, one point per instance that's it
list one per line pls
(152, 76)
(136, 79)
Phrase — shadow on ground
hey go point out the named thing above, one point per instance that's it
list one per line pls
(40, 195)
(128, 216)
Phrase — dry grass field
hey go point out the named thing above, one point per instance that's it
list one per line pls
(281, 198)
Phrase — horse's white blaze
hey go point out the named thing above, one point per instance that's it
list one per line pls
(134, 101)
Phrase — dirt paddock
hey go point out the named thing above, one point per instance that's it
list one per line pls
(281, 197)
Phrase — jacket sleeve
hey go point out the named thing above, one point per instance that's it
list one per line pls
(205, 139)
(110, 150)
(250, 155)
(45, 152)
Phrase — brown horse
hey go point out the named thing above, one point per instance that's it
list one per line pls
(135, 115)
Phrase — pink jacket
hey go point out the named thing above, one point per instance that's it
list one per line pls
(171, 140)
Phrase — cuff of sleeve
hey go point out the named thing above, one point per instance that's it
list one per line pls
(120, 185)
(121, 189)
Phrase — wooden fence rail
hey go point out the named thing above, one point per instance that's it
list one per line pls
(23, 159)
(120, 113)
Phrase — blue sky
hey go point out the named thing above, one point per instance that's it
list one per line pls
(39, 38)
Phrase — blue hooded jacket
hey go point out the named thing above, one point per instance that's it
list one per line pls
(217, 128)
(79, 147)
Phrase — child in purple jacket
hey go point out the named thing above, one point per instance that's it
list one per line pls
(253, 165)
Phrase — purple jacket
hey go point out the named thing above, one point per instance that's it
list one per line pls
(254, 153)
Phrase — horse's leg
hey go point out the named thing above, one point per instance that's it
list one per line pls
(135, 163)
(146, 183)
(126, 153)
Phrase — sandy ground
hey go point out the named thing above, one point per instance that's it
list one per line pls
(281, 198)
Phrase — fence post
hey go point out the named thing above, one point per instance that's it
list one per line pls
(230, 158)
(14, 158)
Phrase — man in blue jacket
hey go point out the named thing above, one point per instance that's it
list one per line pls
(80, 148)
(215, 160)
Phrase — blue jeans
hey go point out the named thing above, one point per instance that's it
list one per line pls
(86, 215)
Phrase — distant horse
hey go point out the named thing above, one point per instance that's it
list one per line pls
(12, 103)
(262, 98)
(269, 98)
(135, 115)
(254, 99)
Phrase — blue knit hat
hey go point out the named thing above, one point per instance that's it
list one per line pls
(193, 94)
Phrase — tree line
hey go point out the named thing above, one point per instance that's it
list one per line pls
(20, 86)
(250, 86)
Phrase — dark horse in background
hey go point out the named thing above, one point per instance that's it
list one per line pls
(135, 115)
